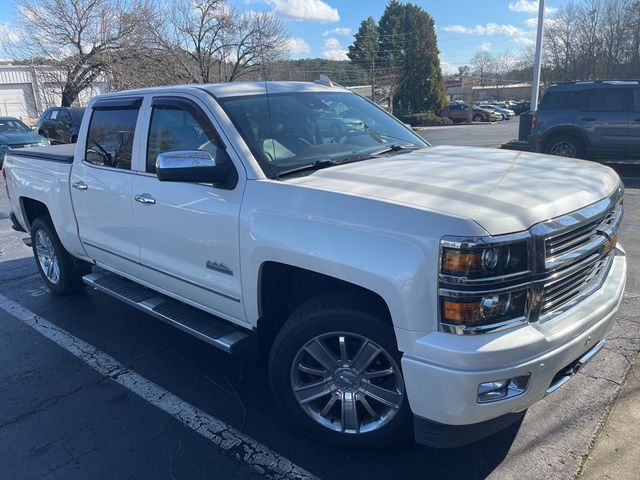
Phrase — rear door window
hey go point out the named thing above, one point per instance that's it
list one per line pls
(608, 100)
(636, 100)
(110, 137)
(559, 100)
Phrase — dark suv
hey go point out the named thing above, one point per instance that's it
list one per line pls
(585, 119)
(61, 124)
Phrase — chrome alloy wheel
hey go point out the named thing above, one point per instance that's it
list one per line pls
(563, 148)
(347, 383)
(47, 257)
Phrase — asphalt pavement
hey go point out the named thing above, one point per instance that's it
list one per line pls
(60, 418)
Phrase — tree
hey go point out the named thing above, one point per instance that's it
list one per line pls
(364, 50)
(211, 41)
(422, 89)
(76, 38)
(392, 49)
(463, 72)
(482, 61)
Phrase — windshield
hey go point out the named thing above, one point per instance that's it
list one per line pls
(293, 130)
(12, 125)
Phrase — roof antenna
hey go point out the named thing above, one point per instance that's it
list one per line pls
(324, 80)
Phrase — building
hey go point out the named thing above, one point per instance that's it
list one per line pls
(516, 91)
(27, 91)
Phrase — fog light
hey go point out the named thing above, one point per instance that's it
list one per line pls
(502, 389)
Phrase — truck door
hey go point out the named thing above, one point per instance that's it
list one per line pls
(606, 119)
(188, 232)
(102, 181)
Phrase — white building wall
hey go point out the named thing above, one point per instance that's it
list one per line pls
(26, 96)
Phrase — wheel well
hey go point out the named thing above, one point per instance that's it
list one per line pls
(571, 132)
(33, 209)
(282, 288)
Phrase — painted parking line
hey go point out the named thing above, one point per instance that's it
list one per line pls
(230, 440)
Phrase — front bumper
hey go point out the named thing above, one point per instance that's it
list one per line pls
(443, 371)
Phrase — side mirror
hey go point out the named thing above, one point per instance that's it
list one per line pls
(197, 166)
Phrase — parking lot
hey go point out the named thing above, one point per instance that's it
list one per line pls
(92, 388)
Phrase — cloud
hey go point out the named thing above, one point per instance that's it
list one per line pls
(346, 31)
(316, 10)
(333, 50)
(448, 68)
(529, 6)
(296, 46)
(506, 30)
(486, 46)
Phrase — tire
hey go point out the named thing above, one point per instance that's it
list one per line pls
(63, 277)
(318, 326)
(565, 145)
(478, 118)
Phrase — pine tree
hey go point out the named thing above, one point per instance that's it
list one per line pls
(364, 50)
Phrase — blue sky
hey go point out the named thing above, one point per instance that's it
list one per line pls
(324, 28)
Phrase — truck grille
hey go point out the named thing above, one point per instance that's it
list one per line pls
(584, 278)
(578, 254)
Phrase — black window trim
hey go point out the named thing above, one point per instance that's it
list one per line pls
(184, 104)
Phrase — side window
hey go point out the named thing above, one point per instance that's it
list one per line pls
(64, 116)
(608, 100)
(636, 100)
(54, 114)
(110, 137)
(179, 125)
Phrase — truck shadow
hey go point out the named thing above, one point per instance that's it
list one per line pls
(234, 389)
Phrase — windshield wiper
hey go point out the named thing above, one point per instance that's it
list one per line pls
(317, 165)
(396, 147)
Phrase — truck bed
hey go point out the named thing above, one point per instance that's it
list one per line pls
(53, 153)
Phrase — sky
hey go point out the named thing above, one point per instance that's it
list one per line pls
(325, 28)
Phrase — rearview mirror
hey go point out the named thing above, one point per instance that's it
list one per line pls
(197, 166)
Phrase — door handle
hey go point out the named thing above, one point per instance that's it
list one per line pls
(636, 120)
(588, 119)
(144, 198)
(79, 185)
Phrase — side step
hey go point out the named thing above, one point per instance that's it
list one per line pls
(213, 330)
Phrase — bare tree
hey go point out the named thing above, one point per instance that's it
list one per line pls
(481, 62)
(209, 40)
(75, 37)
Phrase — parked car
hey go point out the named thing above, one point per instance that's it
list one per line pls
(507, 113)
(15, 134)
(390, 287)
(459, 112)
(61, 124)
(584, 119)
(521, 107)
(486, 114)
(330, 123)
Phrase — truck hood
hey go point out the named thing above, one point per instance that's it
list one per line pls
(504, 191)
(20, 138)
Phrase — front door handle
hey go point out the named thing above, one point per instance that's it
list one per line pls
(79, 185)
(589, 119)
(144, 198)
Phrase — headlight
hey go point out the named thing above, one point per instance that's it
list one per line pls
(485, 283)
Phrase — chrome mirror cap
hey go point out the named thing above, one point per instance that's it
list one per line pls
(185, 159)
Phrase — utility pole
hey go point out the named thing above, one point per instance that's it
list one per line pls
(537, 64)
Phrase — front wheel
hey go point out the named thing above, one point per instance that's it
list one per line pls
(335, 370)
(54, 263)
(477, 118)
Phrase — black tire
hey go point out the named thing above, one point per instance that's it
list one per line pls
(69, 279)
(478, 118)
(565, 145)
(340, 314)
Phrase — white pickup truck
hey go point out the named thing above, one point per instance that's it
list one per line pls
(394, 287)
